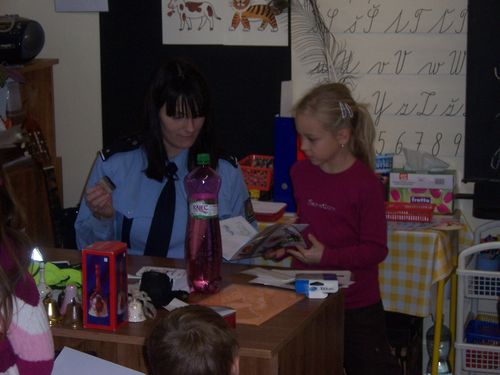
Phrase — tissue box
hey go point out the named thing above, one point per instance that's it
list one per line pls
(104, 287)
(435, 188)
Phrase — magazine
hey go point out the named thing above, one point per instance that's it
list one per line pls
(241, 240)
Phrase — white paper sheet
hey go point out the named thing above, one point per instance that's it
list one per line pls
(282, 278)
(87, 364)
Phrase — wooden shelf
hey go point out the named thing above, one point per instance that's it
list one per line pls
(38, 97)
(24, 175)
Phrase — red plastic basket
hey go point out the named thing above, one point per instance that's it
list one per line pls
(413, 212)
(257, 171)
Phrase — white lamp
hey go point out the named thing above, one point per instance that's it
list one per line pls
(43, 288)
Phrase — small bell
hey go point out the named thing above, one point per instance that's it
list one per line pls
(135, 311)
(70, 294)
(52, 311)
(73, 315)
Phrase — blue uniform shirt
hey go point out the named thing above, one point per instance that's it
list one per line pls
(136, 195)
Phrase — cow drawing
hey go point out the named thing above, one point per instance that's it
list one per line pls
(189, 10)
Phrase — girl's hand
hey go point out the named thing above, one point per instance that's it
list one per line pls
(309, 256)
(99, 202)
(276, 254)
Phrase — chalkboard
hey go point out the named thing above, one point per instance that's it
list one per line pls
(245, 81)
(482, 125)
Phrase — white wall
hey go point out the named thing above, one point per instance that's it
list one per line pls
(73, 38)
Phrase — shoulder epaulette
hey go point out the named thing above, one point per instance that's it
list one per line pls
(231, 159)
(121, 145)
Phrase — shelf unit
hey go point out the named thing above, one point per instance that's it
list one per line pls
(24, 175)
(476, 286)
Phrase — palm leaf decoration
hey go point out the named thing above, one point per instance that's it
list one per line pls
(316, 46)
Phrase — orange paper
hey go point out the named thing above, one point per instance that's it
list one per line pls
(253, 304)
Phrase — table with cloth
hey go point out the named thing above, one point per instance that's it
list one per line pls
(417, 261)
(413, 276)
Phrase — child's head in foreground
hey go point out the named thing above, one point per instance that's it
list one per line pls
(193, 340)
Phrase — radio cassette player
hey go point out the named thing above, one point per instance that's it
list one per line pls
(21, 39)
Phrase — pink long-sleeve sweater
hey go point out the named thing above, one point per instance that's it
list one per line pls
(27, 348)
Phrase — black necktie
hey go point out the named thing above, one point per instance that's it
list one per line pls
(163, 219)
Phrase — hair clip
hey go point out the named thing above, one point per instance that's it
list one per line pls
(345, 110)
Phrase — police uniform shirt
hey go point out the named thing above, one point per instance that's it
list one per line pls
(136, 195)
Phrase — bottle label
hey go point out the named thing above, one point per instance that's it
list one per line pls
(203, 210)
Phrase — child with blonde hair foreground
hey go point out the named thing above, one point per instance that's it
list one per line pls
(26, 346)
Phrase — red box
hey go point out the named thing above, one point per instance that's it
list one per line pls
(104, 288)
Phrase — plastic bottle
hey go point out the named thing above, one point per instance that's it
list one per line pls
(443, 367)
(14, 105)
(203, 239)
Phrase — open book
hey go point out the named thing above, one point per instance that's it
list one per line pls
(240, 240)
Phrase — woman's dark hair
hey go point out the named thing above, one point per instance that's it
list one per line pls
(181, 87)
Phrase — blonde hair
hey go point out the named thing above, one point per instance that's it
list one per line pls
(332, 105)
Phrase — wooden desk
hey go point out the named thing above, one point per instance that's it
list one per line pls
(306, 338)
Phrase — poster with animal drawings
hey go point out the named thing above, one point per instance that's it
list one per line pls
(226, 22)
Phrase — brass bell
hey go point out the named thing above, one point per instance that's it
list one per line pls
(73, 316)
(52, 311)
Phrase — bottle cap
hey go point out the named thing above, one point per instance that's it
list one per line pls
(203, 159)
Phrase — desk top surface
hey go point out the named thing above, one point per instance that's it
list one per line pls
(277, 331)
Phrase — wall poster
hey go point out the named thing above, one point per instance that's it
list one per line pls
(405, 58)
(226, 22)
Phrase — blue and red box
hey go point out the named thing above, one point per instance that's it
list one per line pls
(104, 288)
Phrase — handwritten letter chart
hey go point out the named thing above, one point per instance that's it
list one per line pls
(405, 58)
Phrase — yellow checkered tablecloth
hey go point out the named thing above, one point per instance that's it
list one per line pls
(417, 260)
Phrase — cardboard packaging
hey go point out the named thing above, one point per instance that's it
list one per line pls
(435, 188)
(316, 285)
(227, 313)
(104, 288)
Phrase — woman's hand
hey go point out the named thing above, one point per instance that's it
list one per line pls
(100, 202)
(309, 256)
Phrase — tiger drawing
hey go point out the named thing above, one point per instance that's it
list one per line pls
(189, 10)
(244, 13)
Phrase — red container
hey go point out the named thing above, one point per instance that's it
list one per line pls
(257, 171)
(104, 288)
(413, 212)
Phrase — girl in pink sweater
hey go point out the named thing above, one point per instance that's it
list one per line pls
(26, 346)
(340, 197)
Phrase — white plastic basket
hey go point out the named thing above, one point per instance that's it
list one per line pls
(474, 285)
(480, 358)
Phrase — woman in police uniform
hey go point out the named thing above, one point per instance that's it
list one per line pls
(178, 126)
